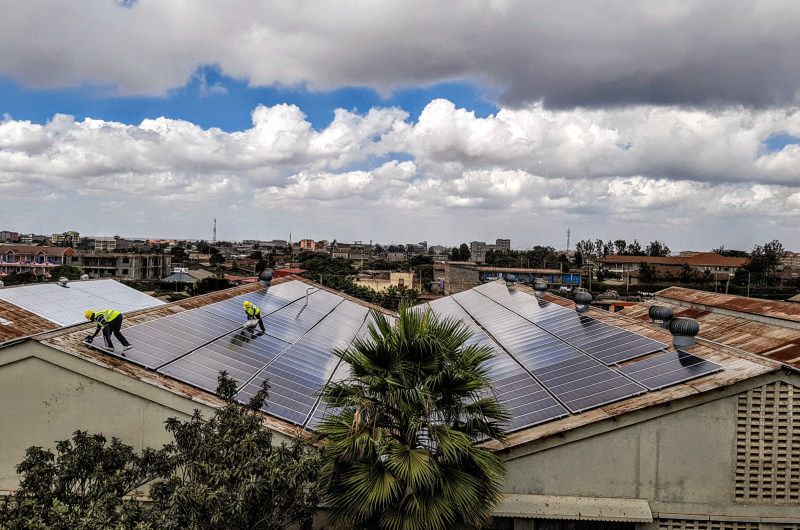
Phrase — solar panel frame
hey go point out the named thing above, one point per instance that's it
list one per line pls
(551, 360)
(305, 367)
(529, 403)
(668, 369)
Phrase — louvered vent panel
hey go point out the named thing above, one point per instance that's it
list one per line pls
(681, 524)
(768, 445)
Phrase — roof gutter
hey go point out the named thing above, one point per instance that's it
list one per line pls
(574, 508)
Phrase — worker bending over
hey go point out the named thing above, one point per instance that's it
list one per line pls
(254, 313)
(109, 321)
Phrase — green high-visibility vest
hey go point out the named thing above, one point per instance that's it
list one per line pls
(253, 310)
(106, 316)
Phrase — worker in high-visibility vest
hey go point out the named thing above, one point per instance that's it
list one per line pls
(254, 313)
(109, 321)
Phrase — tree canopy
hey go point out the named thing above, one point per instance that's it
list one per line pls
(401, 451)
(219, 473)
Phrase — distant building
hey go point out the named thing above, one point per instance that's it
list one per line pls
(627, 267)
(382, 282)
(478, 249)
(125, 266)
(30, 239)
(308, 244)
(105, 244)
(33, 259)
(352, 251)
(791, 260)
(66, 239)
(6, 236)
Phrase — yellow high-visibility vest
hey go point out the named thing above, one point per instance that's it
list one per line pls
(106, 316)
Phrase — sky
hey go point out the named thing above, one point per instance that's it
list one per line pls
(401, 121)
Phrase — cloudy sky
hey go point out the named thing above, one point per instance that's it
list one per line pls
(443, 120)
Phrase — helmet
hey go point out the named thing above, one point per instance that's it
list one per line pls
(247, 304)
(88, 314)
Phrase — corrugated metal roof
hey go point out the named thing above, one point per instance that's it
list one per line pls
(574, 508)
(774, 342)
(703, 259)
(769, 308)
(15, 322)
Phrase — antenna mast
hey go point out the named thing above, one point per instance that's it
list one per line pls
(567, 239)
(215, 231)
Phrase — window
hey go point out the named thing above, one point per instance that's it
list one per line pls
(126, 260)
(124, 271)
(401, 282)
(690, 524)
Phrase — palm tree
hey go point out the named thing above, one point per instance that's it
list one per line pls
(401, 451)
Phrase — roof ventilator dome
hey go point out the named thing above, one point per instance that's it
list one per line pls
(683, 332)
(265, 278)
(63, 281)
(582, 300)
(660, 316)
(539, 287)
(84, 277)
(510, 280)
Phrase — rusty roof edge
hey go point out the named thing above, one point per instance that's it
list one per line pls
(200, 396)
(741, 353)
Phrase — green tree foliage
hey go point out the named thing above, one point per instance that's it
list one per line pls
(179, 255)
(401, 452)
(657, 249)
(219, 473)
(620, 246)
(648, 273)
(578, 257)
(730, 253)
(216, 258)
(463, 250)
(230, 475)
(82, 485)
(425, 272)
(688, 274)
(764, 262)
(70, 271)
(634, 249)
(21, 278)
(208, 285)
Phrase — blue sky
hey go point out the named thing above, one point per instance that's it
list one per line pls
(224, 102)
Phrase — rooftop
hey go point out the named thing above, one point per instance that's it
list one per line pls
(703, 259)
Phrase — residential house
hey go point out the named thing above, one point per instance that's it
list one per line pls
(718, 266)
(33, 259)
(383, 280)
(352, 251)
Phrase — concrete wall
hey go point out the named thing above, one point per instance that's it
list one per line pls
(47, 395)
(681, 461)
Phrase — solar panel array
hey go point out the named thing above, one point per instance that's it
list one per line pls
(294, 355)
(577, 380)
(669, 368)
(527, 401)
(66, 305)
(606, 343)
(549, 361)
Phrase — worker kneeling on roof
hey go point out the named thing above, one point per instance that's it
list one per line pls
(109, 321)
(254, 313)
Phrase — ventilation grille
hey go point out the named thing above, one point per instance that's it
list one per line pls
(680, 524)
(768, 445)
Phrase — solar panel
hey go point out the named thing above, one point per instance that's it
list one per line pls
(581, 383)
(241, 354)
(277, 297)
(165, 339)
(66, 305)
(576, 379)
(340, 373)
(669, 368)
(609, 344)
(300, 372)
(524, 398)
